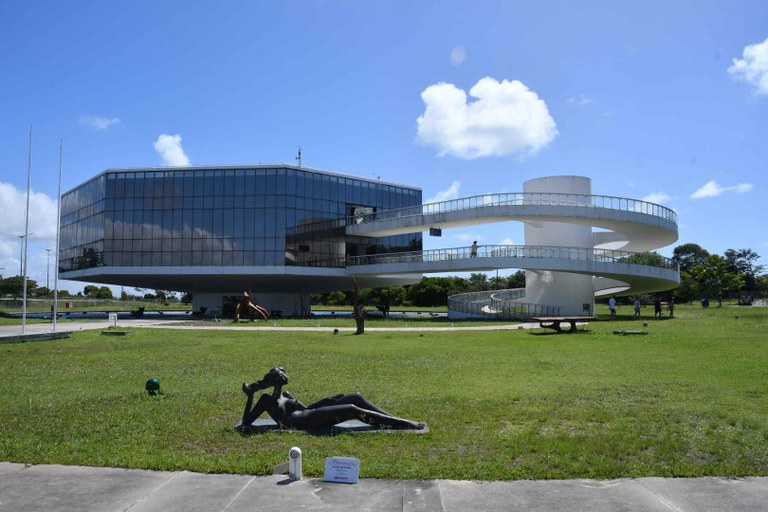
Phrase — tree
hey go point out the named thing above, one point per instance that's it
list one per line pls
(713, 278)
(336, 298)
(104, 293)
(383, 298)
(744, 262)
(516, 280)
(14, 286)
(688, 290)
(688, 255)
(761, 283)
(434, 291)
(652, 259)
(478, 282)
(43, 292)
(91, 291)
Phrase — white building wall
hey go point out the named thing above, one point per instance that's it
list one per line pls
(573, 293)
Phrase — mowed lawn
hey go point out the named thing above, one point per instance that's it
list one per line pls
(690, 398)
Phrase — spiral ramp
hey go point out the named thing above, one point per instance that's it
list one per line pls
(605, 243)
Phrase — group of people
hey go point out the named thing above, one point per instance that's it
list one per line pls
(657, 309)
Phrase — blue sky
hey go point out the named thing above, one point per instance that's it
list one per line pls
(666, 101)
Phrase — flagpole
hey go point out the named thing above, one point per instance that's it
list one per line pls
(58, 230)
(26, 239)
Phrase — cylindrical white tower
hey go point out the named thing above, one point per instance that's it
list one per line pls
(573, 293)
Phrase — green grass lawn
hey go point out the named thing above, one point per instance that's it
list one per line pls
(688, 399)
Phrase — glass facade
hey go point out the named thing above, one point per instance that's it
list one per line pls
(223, 217)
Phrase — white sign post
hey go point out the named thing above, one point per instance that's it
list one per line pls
(113, 319)
(345, 470)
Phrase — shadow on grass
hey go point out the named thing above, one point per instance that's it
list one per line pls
(550, 332)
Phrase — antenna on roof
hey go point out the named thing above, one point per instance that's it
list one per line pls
(298, 156)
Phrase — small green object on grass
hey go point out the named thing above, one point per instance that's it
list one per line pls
(152, 386)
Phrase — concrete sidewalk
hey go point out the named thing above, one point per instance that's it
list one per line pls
(7, 331)
(51, 488)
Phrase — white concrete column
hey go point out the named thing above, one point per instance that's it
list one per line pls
(569, 291)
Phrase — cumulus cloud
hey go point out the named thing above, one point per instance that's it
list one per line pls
(42, 227)
(506, 119)
(712, 189)
(507, 241)
(458, 54)
(753, 68)
(13, 204)
(170, 150)
(657, 198)
(451, 192)
(98, 123)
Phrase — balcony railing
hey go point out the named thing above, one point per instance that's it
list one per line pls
(521, 199)
(517, 251)
(499, 304)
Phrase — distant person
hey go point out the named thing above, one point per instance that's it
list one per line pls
(705, 302)
(657, 307)
(671, 307)
(612, 306)
(473, 252)
(637, 308)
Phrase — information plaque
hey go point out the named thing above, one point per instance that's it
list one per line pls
(345, 470)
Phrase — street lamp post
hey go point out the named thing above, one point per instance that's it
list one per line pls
(48, 270)
(21, 253)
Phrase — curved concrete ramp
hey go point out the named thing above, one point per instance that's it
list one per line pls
(631, 225)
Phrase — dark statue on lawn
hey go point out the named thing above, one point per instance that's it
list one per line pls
(288, 412)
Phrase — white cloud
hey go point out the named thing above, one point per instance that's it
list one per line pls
(42, 227)
(507, 241)
(506, 119)
(458, 54)
(657, 198)
(581, 100)
(451, 192)
(170, 150)
(98, 123)
(753, 68)
(712, 189)
(42, 212)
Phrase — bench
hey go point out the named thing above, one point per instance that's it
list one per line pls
(555, 322)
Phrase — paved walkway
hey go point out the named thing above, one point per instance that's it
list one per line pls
(74, 326)
(51, 488)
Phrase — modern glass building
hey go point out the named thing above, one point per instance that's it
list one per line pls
(275, 230)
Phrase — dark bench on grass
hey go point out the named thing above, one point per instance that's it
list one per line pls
(555, 322)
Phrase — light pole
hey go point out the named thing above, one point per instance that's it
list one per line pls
(21, 253)
(48, 270)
